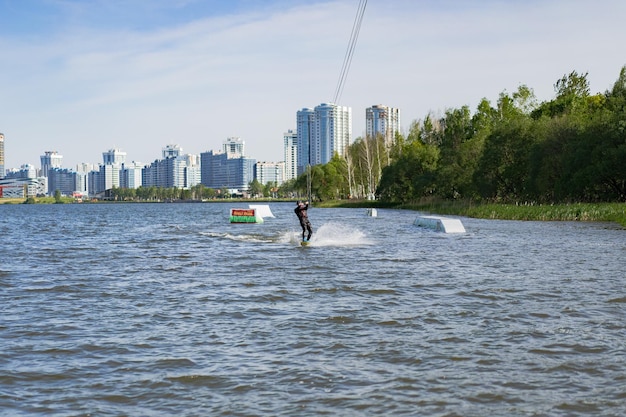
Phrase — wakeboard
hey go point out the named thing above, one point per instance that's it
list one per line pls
(305, 243)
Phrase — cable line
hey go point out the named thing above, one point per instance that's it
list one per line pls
(354, 35)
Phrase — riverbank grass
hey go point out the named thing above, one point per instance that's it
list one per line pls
(36, 200)
(587, 212)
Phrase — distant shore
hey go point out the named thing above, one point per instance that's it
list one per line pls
(587, 212)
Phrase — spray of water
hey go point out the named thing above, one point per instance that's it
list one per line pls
(331, 234)
(328, 234)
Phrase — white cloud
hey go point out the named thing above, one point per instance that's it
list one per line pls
(83, 91)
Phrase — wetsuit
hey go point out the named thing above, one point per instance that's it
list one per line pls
(301, 212)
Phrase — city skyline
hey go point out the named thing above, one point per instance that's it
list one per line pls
(82, 76)
(171, 149)
(324, 131)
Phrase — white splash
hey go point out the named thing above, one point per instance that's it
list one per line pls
(336, 234)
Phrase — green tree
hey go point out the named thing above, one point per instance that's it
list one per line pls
(456, 131)
(571, 91)
(502, 172)
(412, 175)
(186, 194)
(367, 157)
(255, 188)
(57, 197)
(209, 193)
(197, 191)
(270, 189)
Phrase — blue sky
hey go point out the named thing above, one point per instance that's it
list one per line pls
(83, 76)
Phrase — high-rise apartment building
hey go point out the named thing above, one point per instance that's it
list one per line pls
(172, 151)
(290, 141)
(130, 175)
(114, 157)
(192, 171)
(333, 126)
(108, 174)
(50, 160)
(322, 132)
(2, 168)
(109, 177)
(82, 178)
(234, 148)
(270, 172)
(110, 171)
(62, 180)
(228, 168)
(382, 120)
(25, 171)
(305, 122)
(219, 171)
(174, 170)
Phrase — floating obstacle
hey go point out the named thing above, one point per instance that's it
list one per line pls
(440, 224)
(262, 210)
(249, 215)
(371, 212)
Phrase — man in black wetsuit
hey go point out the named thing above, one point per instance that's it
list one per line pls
(301, 212)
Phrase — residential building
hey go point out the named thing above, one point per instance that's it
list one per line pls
(50, 160)
(333, 130)
(192, 172)
(62, 180)
(159, 173)
(305, 120)
(114, 157)
(323, 132)
(108, 174)
(382, 120)
(228, 168)
(171, 151)
(109, 177)
(290, 146)
(25, 171)
(174, 170)
(82, 178)
(234, 147)
(270, 172)
(2, 167)
(131, 175)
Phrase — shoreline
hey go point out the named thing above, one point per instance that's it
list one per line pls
(584, 212)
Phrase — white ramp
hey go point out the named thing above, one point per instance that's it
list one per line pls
(263, 210)
(440, 224)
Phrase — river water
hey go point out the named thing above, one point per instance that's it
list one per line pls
(168, 309)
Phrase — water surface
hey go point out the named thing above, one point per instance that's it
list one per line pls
(167, 309)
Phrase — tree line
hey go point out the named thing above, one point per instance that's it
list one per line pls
(568, 149)
(197, 192)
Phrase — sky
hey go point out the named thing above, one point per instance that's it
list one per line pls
(81, 77)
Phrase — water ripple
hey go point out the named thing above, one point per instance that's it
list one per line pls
(154, 309)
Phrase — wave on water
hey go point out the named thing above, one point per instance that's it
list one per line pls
(329, 234)
(337, 234)
(256, 238)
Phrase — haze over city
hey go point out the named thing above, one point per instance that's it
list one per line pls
(82, 77)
